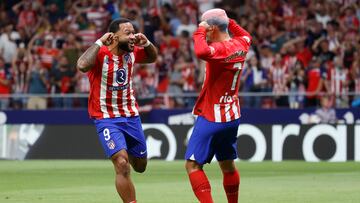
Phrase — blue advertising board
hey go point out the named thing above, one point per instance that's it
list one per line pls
(176, 116)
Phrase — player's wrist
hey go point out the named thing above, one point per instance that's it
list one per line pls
(99, 42)
(146, 44)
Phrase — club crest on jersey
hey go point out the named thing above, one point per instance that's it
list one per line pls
(111, 144)
(127, 58)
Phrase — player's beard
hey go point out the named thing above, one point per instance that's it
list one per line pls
(125, 46)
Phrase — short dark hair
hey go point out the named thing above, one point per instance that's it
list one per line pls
(221, 24)
(114, 25)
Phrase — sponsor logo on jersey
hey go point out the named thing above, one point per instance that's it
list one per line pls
(226, 99)
(117, 88)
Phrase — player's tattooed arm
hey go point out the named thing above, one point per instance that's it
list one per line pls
(88, 58)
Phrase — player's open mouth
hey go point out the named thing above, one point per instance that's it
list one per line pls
(131, 44)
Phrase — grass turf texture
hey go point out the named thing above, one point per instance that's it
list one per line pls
(92, 181)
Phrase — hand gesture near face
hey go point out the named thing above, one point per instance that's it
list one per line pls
(140, 40)
(107, 38)
(204, 24)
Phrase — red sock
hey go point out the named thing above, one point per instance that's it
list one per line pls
(231, 184)
(201, 186)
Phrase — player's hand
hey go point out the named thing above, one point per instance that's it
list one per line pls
(204, 24)
(140, 39)
(107, 38)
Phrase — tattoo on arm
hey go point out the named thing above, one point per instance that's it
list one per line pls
(87, 59)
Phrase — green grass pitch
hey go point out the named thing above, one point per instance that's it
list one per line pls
(83, 181)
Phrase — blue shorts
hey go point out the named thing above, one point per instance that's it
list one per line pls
(120, 133)
(211, 138)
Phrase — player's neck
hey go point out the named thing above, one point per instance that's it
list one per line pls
(220, 37)
(113, 48)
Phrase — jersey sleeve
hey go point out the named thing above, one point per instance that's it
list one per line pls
(139, 54)
(201, 47)
(239, 33)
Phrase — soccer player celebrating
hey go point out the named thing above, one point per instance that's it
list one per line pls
(109, 63)
(217, 107)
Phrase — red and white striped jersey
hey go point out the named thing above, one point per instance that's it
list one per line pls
(338, 80)
(218, 100)
(279, 77)
(97, 15)
(111, 91)
(88, 36)
(357, 85)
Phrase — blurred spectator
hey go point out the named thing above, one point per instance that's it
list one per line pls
(279, 79)
(322, 51)
(136, 19)
(27, 16)
(348, 51)
(97, 14)
(54, 14)
(4, 18)
(349, 19)
(175, 21)
(321, 15)
(333, 36)
(5, 82)
(266, 57)
(297, 86)
(338, 77)
(191, 9)
(183, 77)
(82, 86)
(38, 84)
(113, 9)
(315, 82)
(185, 25)
(20, 70)
(7, 44)
(255, 80)
(176, 81)
(326, 113)
(144, 79)
(46, 51)
(87, 31)
(162, 70)
(355, 81)
(62, 79)
(71, 49)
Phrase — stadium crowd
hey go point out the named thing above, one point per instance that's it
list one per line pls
(301, 50)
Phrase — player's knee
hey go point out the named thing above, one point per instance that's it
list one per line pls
(192, 166)
(227, 166)
(122, 166)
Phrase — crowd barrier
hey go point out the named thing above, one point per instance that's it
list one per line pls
(72, 135)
